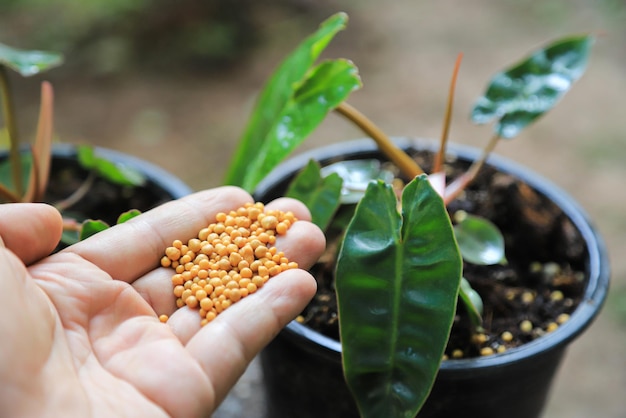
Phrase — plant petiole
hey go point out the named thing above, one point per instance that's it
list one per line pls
(404, 162)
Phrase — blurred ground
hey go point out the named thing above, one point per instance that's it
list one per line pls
(189, 124)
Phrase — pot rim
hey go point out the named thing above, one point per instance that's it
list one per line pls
(167, 181)
(598, 263)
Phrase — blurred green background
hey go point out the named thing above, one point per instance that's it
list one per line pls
(173, 82)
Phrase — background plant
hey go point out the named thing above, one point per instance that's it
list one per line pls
(382, 266)
(24, 176)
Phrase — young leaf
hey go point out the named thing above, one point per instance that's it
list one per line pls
(480, 241)
(28, 63)
(115, 173)
(472, 301)
(397, 285)
(126, 216)
(321, 195)
(517, 96)
(291, 105)
(91, 227)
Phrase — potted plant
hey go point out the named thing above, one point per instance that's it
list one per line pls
(92, 187)
(397, 238)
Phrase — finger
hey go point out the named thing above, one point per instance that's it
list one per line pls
(303, 243)
(225, 346)
(30, 230)
(287, 204)
(132, 249)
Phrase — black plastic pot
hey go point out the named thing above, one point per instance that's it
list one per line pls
(302, 368)
(106, 201)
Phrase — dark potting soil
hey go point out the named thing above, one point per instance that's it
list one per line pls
(104, 200)
(531, 295)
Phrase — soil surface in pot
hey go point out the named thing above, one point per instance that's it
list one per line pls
(533, 294)
(104, 200)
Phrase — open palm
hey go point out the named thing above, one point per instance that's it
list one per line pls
(80, 329)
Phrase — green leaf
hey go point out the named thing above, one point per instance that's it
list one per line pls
(356, 175)
(327, 86)
(517, 96)
(6, 177)
(480, 241)
(128, 215)
(109, 170)
(86, 156)
(91, 227)
(70, 237)
(397, 285)
(321, 195)
(293, 102)
(472, 301)
(28, 63)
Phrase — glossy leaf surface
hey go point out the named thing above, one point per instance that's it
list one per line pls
(28, 63)
(520, 94)
(295, 100)
(480, 241)
(397, 285)
(320, 194)
(356, 175)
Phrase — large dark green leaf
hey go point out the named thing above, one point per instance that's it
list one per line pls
(518, 95)
(293, 102)
(28, 63)
(397, 285)
(322, 195)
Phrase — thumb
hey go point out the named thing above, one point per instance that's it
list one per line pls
(30, 230)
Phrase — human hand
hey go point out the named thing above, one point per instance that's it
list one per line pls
(80, 329)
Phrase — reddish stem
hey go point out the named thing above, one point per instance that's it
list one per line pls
(458, 185)
(438, 165)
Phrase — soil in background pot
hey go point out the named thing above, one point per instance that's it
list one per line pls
(105, 201)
